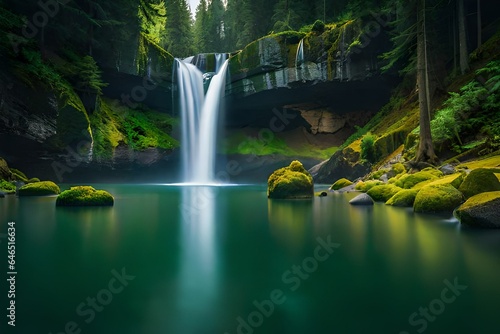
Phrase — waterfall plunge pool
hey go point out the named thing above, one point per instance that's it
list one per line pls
(229, 260)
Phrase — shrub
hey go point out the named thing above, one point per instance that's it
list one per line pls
(318, 26)
(368, 148)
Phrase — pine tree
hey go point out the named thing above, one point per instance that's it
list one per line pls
(200, 27)
(178, 34)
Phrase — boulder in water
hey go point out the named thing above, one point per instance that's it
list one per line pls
(84, 196)
(481, 210)
(362, 199)
(290, 182)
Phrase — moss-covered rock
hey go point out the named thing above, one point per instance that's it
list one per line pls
(396, 169)
(438, 198)
(18, 175)
(454, 180)
(408, 181)
(339, 184)
(84, 196)
(404, 198)
(479, 181)
(383, 192)
(5, 172)
(481, 210)
(290, 182)
(7, 187)
(364, 186)
(42, 188)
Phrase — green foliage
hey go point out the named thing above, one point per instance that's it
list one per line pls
(290, 182)
(474, 107)
(7, 187)
(89, 76)
(383, 193)
(318, 26)
(42, 188)
(438, 198)
(84, 196)
(368, 148)
(479, 181)
(116, 124)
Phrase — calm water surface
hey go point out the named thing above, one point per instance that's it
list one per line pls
(209, 260)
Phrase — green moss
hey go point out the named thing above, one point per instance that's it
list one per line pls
(7, 187)
(339, 184)
(84, 196)
(480, 210)
(378, 174)
(289, 182)
(18, 175)
(479, 181)
(408, 181)
(438, 198)
(455, 180)
(490, 162)
(364, 186)
(404, 198)
(42, 188)
(33, 180)
(398, 168)
(383, 192)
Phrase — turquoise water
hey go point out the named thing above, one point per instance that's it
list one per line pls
(170, 259)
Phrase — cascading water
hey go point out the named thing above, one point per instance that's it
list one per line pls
(199, 116)
(299, 61)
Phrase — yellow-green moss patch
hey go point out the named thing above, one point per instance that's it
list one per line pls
(364, 186)
(490, 162)
(383, 193)
(290, 182)
(404, 198)
(339, 184)
(42, 188)
(438, 198)
(479, 181)
(7, 187)
(408, 181)
(84, 196)
(455, 180)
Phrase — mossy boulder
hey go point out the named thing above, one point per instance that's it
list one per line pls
(481, 210)
(18, 175)
(396, 169)
(290, 182)
(5, 172)
(383, 192)
(339, 184)
(364, 186)
(42, 188)
(454, 180)
(84, 196)
(408, 181)
(479, 181)
(437, 198)
(7, 187)
(404, 198)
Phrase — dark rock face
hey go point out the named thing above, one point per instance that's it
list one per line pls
(343, 164)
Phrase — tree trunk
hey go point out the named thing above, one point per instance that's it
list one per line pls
(464, 54)
(425, 152)
(479, 25)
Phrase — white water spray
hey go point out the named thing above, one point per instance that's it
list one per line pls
(199, 116)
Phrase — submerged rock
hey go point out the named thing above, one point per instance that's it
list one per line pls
(437, 198)
(84, 196)
(481, 210)
(362, 199)
(42, 188)
(290, 182)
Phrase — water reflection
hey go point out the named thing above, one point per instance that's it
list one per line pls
(198, 279)
(290, 221)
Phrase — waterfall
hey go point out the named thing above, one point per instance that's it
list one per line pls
(299, 61)
(199, 117)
